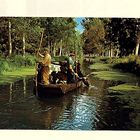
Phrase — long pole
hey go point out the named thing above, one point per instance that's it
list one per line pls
(75, 62)
(36, 64)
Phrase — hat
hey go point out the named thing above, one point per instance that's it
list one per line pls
(46, 50)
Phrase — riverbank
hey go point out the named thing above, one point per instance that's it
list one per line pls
(123, 87)
(16, 67)
(108, 71)
(10, 77)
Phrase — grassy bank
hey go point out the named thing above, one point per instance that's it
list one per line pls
(12, 76)
(123, 84)
(105, 69)
(16, 67)
(126, 64)
(15, 63)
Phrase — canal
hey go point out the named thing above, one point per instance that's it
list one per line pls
(88, 108)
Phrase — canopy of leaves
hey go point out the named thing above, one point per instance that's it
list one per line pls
(58, 32)
(93, 35)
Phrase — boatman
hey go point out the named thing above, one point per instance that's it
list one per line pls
(45, 66)
(71, 76)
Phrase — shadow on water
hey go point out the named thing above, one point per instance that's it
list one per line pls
(84, 109)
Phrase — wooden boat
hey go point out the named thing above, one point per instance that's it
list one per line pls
(42, 90)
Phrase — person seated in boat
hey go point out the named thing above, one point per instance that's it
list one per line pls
(80, 74)
(77, 69)
(71, 75)
(53, 76)
(62, 74)
(45, 64)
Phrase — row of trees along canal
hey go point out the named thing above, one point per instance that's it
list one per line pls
(111, 36)
(101, 36)
(20, 35)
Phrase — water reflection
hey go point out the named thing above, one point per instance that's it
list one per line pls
(85, 109)
(117, 115)
(10, 92)
(80, 115)
(24, 87)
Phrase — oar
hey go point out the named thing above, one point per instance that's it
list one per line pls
(36, 64)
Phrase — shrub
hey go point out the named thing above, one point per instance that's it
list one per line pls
(30, 60)
(16, 62)
(4, 66)
(129, 64)
(19, 60)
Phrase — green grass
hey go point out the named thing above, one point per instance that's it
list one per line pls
(8, 77)
(115, 76)
(125, 88)
(106, 72)
(101, 66)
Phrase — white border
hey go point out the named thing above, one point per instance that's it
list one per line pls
(69, 8)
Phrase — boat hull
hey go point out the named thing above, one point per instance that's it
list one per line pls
(42, 90)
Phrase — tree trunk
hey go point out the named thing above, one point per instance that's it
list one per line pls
(108, 53)
(111, 52)
(23, 39)
(10, 42)
(54, 50)
(60, 49)
(137, 49)
(117, 53)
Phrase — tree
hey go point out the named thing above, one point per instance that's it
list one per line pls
(58, 33)
(5, 36)
(94, 36)
(27, 29)
(124, 32)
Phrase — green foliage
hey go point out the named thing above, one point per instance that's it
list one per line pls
(29, 60)
(59, 58)
(106, 34)
(128, 64)
(5, 66)
(93, 35)
(123, 32)
(20, 61)
(16, 62)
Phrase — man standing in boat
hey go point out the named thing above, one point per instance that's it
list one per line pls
(70, 69)
(45, 66)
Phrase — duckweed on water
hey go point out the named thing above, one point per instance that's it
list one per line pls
(115, 76)
(107, 73)
(125, 88)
